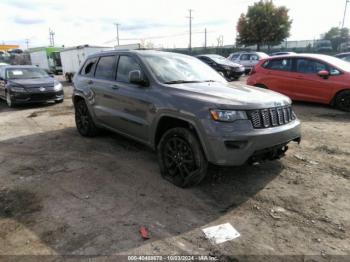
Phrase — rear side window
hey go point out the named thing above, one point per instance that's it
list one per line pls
(309, 66)
(125, 66)
(254, 58)
(105, 68)
(279, 64)
(245, 57)
(89, 67)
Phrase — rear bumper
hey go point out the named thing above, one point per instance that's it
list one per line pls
(28, 97)
(238, 147)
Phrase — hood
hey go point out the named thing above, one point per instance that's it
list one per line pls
(232, 95)
(33, 82)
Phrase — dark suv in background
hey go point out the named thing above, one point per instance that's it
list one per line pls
(185, 110)
(229, 70)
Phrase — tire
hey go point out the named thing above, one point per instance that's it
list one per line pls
(83, 120)
(9, 101)
(181, 158)
(342, 101)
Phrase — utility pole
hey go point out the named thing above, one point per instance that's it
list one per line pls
(190, 24)
(205, 38)
(117, 27)
(346, 5)
(52, 37)
(27, 43)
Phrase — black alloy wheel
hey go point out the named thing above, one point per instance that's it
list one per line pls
(83, 120)
(342, 101)
(181, 159)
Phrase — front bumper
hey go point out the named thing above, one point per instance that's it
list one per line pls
(236, 147)
(36, 97)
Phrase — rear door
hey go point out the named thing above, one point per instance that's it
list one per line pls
(102, 86)
(309, 85)
(278, 75)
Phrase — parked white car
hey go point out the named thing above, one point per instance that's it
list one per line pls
(247, 59)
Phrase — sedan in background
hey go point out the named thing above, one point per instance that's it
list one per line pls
(229, 70)
(28, 84)
(247, 59)
(344, 56)
(283, 53)
(306, 77)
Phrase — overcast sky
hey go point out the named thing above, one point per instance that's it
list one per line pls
(162, 22)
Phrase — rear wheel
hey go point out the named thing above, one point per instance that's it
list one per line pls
(181, 158)
(342, 100)
(83, 120)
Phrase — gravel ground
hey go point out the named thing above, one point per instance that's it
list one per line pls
(64, 194)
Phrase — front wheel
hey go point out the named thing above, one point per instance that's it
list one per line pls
(9, 101)
(83, 120)
(181, 158)
(342, 101)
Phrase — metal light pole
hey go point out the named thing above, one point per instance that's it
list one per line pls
(346, 5)
(117, 26)
(190, 24)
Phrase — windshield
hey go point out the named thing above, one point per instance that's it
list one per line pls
(25, 73)
(218, 59)
(169, 67)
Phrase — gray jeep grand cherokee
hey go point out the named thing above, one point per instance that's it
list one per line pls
(184, 109)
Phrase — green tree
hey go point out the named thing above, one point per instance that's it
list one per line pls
(337, 36)
(264, 24)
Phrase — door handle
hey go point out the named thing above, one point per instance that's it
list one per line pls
(90, 82)
(115, 87)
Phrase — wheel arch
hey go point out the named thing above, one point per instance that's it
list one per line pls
(332, 102)
(167, 121)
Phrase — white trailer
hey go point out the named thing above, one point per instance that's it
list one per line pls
(73, 57)
(39, 59)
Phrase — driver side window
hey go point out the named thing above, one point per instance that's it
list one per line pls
(126, 64)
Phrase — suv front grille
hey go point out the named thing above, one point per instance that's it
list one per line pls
(271, 117)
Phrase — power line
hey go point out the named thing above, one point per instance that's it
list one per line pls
(346, 5)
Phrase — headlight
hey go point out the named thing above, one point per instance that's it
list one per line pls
(227, 115)
(58, 87)
(17, 89)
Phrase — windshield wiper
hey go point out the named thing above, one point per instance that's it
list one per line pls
(181, 82)
(209, 80)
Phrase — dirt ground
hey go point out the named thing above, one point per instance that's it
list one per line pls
(64, 194)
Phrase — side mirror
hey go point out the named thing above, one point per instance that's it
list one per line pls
(136, 78)
(324, 74)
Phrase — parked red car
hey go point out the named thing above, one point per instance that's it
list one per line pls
(305, 77)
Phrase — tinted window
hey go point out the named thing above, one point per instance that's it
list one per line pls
(254, 57)
(89, 67)
(308, 66)
(2, 73)
(125, 66)
(279, 64)
(105, 68)
(245, 57)
(233, 57)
